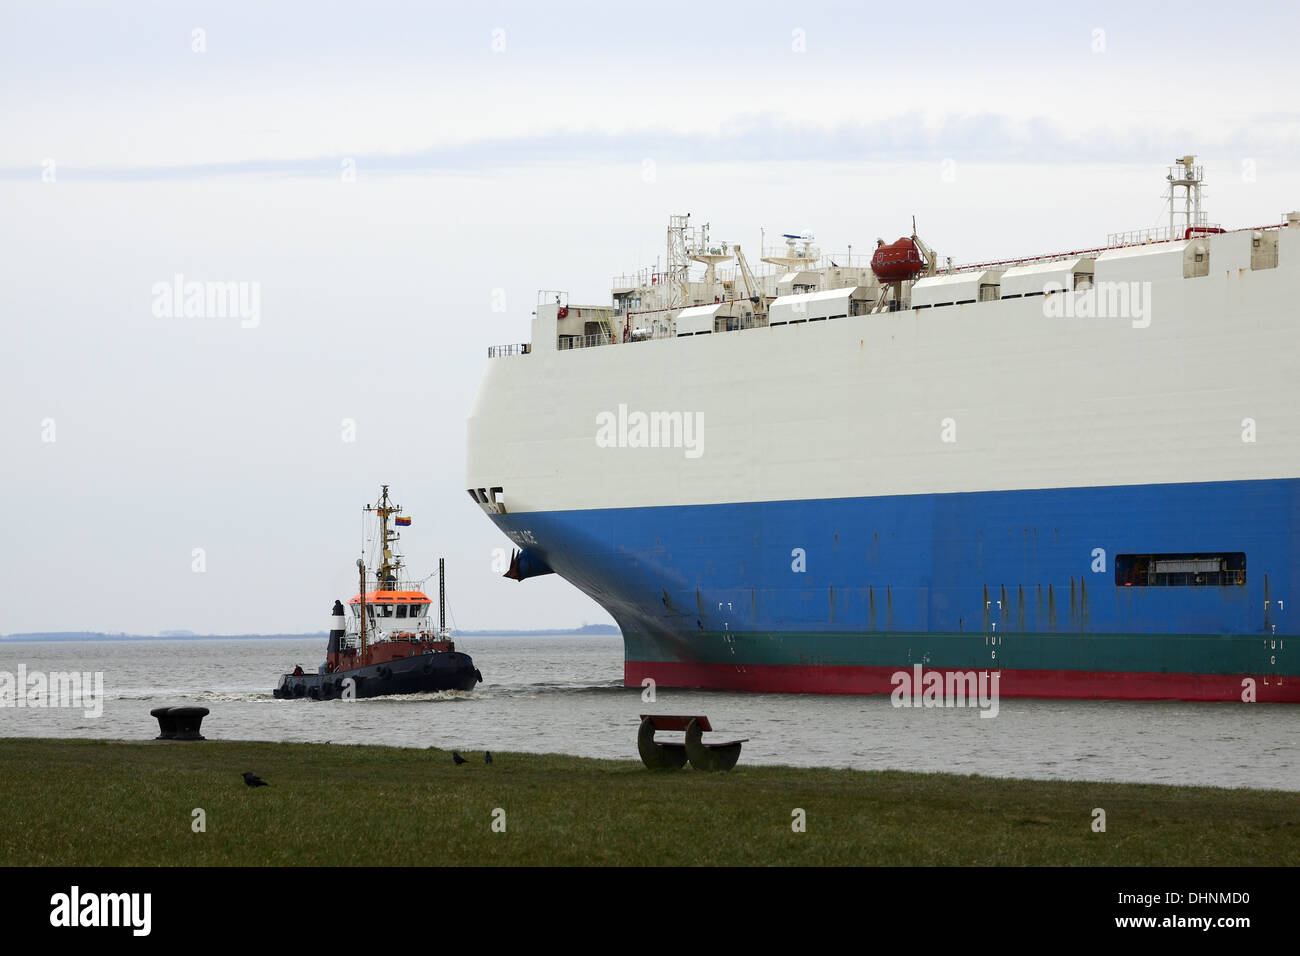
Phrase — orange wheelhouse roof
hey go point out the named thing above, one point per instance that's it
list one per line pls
(393, 597)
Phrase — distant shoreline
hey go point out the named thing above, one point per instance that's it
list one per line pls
(587, 630)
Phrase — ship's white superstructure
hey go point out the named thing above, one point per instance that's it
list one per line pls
(1134, 363)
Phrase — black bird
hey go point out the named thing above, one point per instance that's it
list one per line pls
(487, 756)
(253, 780)
(458, 758)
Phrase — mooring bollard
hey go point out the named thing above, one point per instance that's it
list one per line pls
(166, 725)
(188, 720)
(179, 723)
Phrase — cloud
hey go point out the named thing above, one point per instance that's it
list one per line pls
(909, 137)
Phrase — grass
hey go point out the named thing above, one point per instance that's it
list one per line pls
(110, 803)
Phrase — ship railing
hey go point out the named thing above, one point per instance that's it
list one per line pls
(567, 342)
(844, 260)
(824, 260)
(496, 351)
(1139, 237)
(801, 249)
(747, 321)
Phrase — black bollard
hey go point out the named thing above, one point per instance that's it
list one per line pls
(166, 724)
(179, 723)
(187, 721)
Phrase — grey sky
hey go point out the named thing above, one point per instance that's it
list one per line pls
(1006, 132)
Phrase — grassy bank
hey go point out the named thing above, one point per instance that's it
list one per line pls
(84, 802)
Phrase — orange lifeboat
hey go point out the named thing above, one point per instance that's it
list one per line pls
(897, 261)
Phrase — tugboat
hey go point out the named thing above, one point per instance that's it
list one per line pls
(387, 644)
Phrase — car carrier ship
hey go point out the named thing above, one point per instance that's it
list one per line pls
(1081, 470)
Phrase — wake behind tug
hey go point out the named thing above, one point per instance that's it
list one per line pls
(387, 645)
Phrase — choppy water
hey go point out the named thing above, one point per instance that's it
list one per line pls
(564, 694)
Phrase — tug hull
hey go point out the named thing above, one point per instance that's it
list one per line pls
(419, 674)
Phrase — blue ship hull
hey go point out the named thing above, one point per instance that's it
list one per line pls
(836, 594)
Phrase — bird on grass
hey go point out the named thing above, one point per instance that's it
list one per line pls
(253, 780)
(458, 758)
(487, 756)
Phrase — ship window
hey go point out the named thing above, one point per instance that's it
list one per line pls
(1188, 569)
(401, 610)
(356, 610)
(417, 610)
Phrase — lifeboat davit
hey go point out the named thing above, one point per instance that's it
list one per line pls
(897, 261)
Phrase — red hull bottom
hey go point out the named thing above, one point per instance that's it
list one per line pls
(1059, 684)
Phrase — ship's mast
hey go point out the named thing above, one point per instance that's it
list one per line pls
(679, 262)
(1185, 175)
(361, 569)
(701, 251)
(391, 564)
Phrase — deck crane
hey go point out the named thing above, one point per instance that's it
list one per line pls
(928, 254)
(752, 289)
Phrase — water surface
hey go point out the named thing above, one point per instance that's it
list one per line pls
(565, 694)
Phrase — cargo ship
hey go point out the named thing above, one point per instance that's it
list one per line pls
(386, 642)
(1080, 470)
